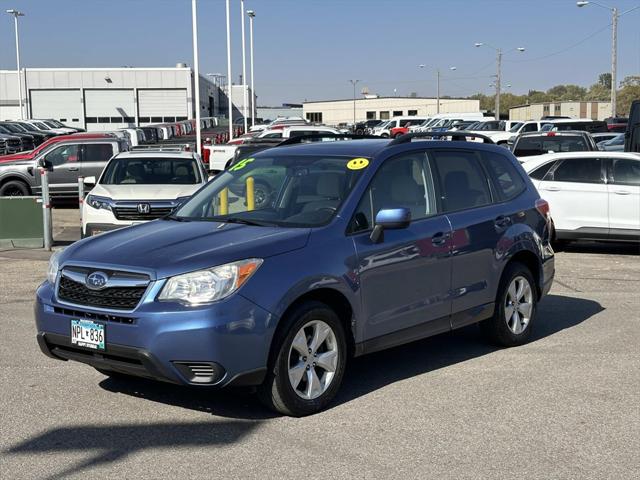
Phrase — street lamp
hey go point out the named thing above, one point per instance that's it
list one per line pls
(499, 72)
(196, 71)
(422, 65)
(614, 46)
(245, 94)
(229, 103)
(252, 15)
(354, 83)
(17, 14)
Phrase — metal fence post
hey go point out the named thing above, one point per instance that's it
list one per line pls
(80, 197)
(46, 212)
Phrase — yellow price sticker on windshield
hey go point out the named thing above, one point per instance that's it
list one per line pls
(357, 163)
(241, 164)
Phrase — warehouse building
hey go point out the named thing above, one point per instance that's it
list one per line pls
(335, 112)
(535, 111)
(110, 98)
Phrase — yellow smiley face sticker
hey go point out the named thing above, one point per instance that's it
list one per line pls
(357, 163)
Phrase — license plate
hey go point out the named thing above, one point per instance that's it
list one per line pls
(88, 334)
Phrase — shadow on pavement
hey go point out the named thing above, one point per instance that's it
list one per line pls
(602, 247)
(370, 372)
(114, 442)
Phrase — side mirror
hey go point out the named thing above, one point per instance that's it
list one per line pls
(43, 163)
(89, 180)
(390, 219)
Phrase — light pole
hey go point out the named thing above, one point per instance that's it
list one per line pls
(17, 14)
(422, 65)
(196, 71)
(229, 83)
(245, 94)
(252, 15)
(354, 83)
(614, 47)
(499, 72)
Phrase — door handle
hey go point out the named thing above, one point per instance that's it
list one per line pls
(72, 169)
(502, 221)
(552, 189)
(622, 192)
(439, 239)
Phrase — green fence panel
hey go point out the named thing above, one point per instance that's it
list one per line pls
(21, 222)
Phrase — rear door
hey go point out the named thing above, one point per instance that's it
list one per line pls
(95, 157)
(578, 196)
(624, 197)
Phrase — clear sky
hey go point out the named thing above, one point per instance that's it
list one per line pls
(309, 49)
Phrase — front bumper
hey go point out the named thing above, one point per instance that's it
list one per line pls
(157, 339)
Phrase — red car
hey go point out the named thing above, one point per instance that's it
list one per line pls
(397, 131)
(45, 145)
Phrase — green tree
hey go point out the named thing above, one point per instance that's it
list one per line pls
(604, 80)
(629, 92)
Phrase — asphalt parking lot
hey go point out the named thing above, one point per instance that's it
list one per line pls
(563, 406)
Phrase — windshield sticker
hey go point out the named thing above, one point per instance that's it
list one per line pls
(357, 163)
(241, 164)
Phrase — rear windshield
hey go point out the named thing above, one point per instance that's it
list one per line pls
(527, 146)
(151, 171)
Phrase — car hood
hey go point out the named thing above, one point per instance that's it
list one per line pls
(16, 160)
(164, 248)
(144, 192)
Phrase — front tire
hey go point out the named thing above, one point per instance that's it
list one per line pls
(516, 306)
(308, 361)
(14, 188)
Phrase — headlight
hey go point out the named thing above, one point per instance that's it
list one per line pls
(210, 285)
(52, 270)
(99, 202)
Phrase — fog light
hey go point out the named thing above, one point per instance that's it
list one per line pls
(200, 372)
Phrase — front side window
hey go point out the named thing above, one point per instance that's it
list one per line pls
(515, 127)
(506, 179)
(530, 127)
(463, 183)
(151, 171)
(401, 182)
(626, 172)
(579, 170)
(63, 155)
(282, 190)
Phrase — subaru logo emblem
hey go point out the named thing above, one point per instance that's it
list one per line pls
(96, 280)
(143, 208)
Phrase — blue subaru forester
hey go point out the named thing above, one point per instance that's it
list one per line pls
(292, 261)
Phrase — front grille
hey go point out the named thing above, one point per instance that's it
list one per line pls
(119, 298)
(94, 316)
(131, 213)
(14, 143)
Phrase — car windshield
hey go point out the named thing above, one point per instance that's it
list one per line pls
(617, 140)
(19, 128)
(29, 127)
(283, 190)
(516, 127)
(51, 124)
(42, 126)
(151, 171)
(528, 146)
(11, 128)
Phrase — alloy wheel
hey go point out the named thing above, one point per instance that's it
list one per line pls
(518, 305)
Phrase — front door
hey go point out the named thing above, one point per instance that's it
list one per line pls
(65, 163)
(405, 278)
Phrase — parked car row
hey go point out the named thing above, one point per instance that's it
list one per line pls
(23, 135)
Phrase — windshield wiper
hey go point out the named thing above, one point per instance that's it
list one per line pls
(171, 216)
(245, 221)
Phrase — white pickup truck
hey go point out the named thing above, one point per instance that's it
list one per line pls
(221, 155)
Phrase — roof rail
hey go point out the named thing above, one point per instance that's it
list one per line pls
(302, 138)
(160, 148)
(407, 137)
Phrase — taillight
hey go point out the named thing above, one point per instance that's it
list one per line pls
(543, 207)
(551, 134)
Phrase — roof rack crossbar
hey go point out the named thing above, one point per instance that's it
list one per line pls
(407, 137)
(301, 138)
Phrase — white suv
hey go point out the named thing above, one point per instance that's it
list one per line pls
(139, 186)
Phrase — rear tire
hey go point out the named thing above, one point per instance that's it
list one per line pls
(14, 188)
(308, 361)
(515, 310)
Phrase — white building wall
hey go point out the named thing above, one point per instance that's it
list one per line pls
(593, 110)
(341, 111)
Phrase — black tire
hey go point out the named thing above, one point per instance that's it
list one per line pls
(276, 392)
(557, 244)
(14, 188)
(385, 135)
(496, 328)
(262, 194)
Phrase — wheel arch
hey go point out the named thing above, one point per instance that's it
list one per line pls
(530, 260)
(16, 177)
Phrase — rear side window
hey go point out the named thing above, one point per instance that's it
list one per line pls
(579, 170)
(97, 152)
(540, 172)
(530, 127)
(626, 172)
(462, 181)
(506, 179)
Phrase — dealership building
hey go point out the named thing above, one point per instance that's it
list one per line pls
(112, 98)
(535, 111)
(335, 112)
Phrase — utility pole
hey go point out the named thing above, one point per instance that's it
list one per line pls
(229, 82)
(498, 84)
(354, 83)
(252, 15)
(438, 91)
(17, 14)
(614, 61)
(196, 71)
(245, 93)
